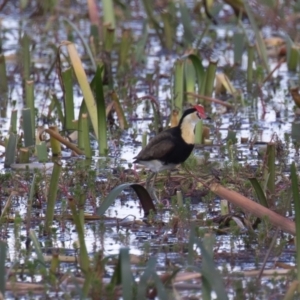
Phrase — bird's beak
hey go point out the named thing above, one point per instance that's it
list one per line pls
(200, 111)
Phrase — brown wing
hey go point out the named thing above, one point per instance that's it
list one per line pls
(158, 147)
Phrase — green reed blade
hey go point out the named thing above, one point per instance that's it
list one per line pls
(83, 110)
(3, 75)
(211, 274)
(145, 277)
(119, 110)
(224, 207)
(3, 251)
(5, 209)
(157, 121)
(190, 80)
(109, 13)
(68, 99)
(210, 271)
(84, 258)
(124, 48)
(86, 136)
(178, 86)
(54, 267)
(10, 150)
(210, 78)
(259, 192)
(54, 143)
(250, 66)
(84, 85)
(126, 274)
(199, 132)
(42, 154)
(238, 46)
(29, 101)
(143, 195)
(296, 196)
(51, 196)
(271, 153)
(139, 51)
(293, 58)
(144, 139)
(161, 291)
(25, 57)
(149, 8)
(29, 203)
(13, 121)
(95, 40)
(208, 242)
(261, 47)
(187, 23)
(23, 156)
(27, 128)
(109, 38)
(97, 87)
(84, 43)
(37, 247)
(55, 104)
(199, 69)
(168, 29)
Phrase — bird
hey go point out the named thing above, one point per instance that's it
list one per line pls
(170, 147)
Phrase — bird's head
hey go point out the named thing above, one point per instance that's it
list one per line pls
(188, 121)
(200, 111)
(192, 115)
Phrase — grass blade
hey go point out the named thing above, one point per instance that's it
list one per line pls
(271, 167)
(3, 75)
(141, 192)
(179, 85)
(199, 69)
(27, 127)
(68, 99)
(126, 274)
(3, 249)
(186, 22)
(10, 150)
(51, 198)
(97, 87)
(296, 197)
(261, 47)
(211, 273)
(259, 192)
(37, 248)
(143, 282)
(84, 84)
(29, 100)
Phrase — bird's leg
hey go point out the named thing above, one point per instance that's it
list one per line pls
(150, 186)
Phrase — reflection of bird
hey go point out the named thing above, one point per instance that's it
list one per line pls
(172, 146)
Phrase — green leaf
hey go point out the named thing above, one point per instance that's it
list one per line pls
(126, 274)
(123, 275)
(37, 247)
(141, 192)
(3, 249)
(259, 192)
(296, 196)
(262, 51)
(97, 87)
(143, 282)
(200, 72)
(210, 273)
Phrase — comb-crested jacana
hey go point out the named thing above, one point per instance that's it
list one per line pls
(172, 146)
